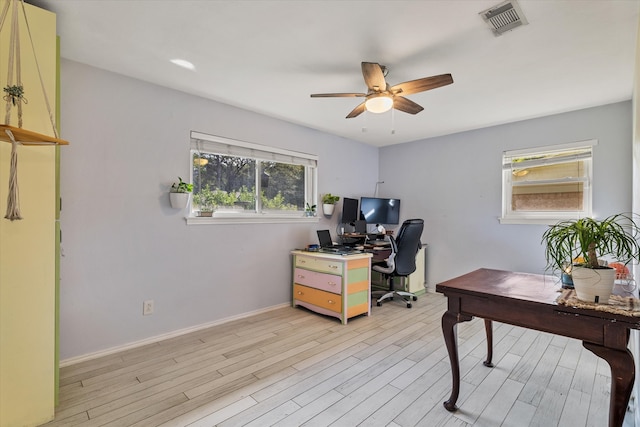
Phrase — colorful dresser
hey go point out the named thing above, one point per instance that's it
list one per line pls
(333, 285)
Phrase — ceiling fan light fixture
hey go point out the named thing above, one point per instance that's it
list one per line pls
(379, 104)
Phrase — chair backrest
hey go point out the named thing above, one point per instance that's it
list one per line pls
(408, 245)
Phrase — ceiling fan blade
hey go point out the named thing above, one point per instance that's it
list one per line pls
(406, 105)
(334, 95)
(373, 76)
(356, 111)
(420, 85)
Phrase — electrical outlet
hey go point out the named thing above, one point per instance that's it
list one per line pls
(147, 307)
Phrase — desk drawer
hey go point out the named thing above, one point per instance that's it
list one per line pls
(317, 297)
(319, 264)
(313, 279)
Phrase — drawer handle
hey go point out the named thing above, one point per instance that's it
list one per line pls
(300, 276)
(300, 293)
(331, 283)
(333, 266)
(302, 261)
(331, 301)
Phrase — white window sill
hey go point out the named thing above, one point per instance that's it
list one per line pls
(527, 221)
(253, 219)
(540, 221)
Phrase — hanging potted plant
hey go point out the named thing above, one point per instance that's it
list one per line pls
(577, 247)
(179, 194)
(329, 203)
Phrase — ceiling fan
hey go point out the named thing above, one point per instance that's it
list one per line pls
(381, 97)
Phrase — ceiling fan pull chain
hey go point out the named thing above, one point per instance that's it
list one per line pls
(366, 115)
(393, 121)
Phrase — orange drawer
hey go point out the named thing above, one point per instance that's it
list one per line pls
(317, 297)
(313, 279)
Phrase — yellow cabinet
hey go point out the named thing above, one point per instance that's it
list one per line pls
(28, 364)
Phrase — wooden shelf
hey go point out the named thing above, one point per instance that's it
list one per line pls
(27, 137)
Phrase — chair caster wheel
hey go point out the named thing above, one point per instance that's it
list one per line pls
(408, 305)
(415, 298)
(379, 304)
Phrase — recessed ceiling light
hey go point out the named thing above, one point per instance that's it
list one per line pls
(184, 64)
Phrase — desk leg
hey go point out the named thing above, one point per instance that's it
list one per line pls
(449, 321)
(488, 327)
(622, 378)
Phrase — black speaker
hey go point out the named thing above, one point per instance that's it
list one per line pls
(361, 226)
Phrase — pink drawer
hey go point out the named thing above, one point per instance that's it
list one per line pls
(313, 279)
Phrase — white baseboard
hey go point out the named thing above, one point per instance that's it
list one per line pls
(162, 337)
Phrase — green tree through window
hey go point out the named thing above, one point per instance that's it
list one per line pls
(232, 181)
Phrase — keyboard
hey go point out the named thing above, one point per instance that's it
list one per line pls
(334, 248)
(344, 250)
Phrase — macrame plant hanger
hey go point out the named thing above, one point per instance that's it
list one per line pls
(14, 97)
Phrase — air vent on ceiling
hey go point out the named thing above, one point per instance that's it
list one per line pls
(504, 17)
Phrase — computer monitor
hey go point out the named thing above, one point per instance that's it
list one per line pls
(377, 210)
(349, 210)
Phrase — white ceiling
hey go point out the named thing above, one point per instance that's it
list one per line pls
(269, 56)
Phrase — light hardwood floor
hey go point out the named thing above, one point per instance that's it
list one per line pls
(292, 367)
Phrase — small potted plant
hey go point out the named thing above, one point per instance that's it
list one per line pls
(204, 199)
(310, 210)
(179, 194)
(577, 246)
(329, 203)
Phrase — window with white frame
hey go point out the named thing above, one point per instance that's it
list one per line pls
(246, 182)
(547, 184)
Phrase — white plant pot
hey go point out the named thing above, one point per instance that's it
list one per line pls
(327, 209)
(179, 200)
(593, 285)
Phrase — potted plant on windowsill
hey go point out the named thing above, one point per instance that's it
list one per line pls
(310, 210)
(204, 201)
(579, 245)
(329, 203)
(179, 194)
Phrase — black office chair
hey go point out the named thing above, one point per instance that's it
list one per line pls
(402, 260)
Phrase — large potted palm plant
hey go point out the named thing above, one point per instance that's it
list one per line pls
(579, 247)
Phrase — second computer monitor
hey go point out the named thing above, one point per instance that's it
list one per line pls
(350, 210)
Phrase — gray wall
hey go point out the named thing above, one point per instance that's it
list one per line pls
(123, 244)
(454, 183)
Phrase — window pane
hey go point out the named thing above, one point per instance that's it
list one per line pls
(243, 182)
(548, 197)
(228, 181)
(547, 184)
(575, 169)
(282, 187)
(533, 189)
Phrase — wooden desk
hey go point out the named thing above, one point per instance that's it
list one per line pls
(529, 301)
